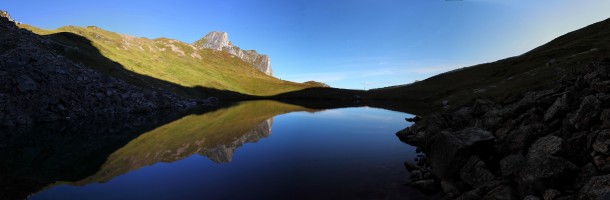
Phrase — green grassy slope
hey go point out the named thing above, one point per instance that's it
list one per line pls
(165, 60)
(536, 69)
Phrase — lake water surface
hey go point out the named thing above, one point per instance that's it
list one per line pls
(251, 150)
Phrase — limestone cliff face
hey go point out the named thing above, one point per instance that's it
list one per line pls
(219, 41)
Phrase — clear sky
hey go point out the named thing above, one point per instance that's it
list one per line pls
(345, 43)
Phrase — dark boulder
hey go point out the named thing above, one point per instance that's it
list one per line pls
(587, 112)
(450, 150)
(519, 138)
(529, 100)
(411, 166)
(475, 172)
(602, 86)
(503, 131)
(502, 192)
(545, 171)
(602, 143)
(420, 133)
(416, 175)
(605, 118)
(531, 197)
(511, 164)
(470, 195)
(601, 163)
(557, 107)
(482, 106)
(598, 188)
(26, 84)
(426, 186)
(551, 194)
(413, 119)
(462, 117)
(586, 172)
(450, 188)
(542, 169)
(578, 147)
(493, 119)
(549, 145)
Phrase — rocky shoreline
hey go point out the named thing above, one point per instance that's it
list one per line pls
(552, 144)
(39, 85)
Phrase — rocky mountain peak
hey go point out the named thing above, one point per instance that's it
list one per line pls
(219, 41)
(216, 40)
(6, 15)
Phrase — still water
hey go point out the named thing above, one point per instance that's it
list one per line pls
(250, 150)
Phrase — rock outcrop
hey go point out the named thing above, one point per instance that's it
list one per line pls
(219, 41)
(39, 85)
(6, 15)
(550, 144)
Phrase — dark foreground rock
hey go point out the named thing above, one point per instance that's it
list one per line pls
(549, 144)
(38, 85)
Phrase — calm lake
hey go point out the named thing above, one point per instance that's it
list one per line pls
(249, 150)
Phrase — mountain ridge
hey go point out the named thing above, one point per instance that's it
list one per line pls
(219, 41)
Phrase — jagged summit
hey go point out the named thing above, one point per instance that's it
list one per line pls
(214, 40)
(6, 15)
(219, 41)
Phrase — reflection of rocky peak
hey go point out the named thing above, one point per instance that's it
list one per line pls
(219, 41)
(219, 151)
(224, 152)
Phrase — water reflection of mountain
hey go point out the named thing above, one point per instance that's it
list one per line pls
(90, 151)
(224, 152)
(214, 134)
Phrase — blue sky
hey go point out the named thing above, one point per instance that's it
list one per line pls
(345, 43)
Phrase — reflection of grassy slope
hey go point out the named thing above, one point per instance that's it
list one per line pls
(189, 135)
(166, 59)
(39, 155)
(538, 68)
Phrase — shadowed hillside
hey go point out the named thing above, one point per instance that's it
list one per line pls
(38, 85)
(538, 68)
